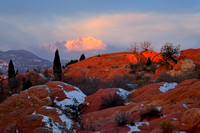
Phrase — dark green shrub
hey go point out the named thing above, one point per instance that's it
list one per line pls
(74, 110)
(26, 83)
(71, 62)
(148, 63)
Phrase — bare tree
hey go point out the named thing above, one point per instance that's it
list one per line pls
(134, 47)
(169, 51)
(146, 46)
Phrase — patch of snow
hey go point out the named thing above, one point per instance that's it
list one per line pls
(68, 121)
(163, 116)
(48, 97)
(167, 86)
(41, 75)
(28, 97)
(184, 105)
(142, 105)
(54, 126)
(88, 104)
(127, 103)
(62, 117)
(123, 93)
(34, 113)
(135, 127)
(183, 124)
(48, 89)
(77, 94)
(47, 107)
(16, 131)
(36, 60)
(174, 119)
(159, 108)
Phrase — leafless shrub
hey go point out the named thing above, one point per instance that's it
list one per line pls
(167, 126)
(133, 47)
(164, 77)
(146, 45)
(143, 46)
(110, 100)
(121, 118)
(149, 112)
(88, 125)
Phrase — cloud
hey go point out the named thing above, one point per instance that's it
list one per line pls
(115, 29)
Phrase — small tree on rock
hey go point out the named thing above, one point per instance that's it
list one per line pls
(169, 51)
(134, 47)
(82, 57)
(148, 63)
(57, 67)
(146, 46)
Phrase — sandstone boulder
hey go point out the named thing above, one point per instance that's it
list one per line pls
(22, 104)
(191, 116)
(65, 94)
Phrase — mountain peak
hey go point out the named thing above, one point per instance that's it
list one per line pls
(85, 43)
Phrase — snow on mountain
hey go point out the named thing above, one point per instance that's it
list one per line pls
(72, 49)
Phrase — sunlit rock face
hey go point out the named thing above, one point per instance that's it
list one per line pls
(85, 43)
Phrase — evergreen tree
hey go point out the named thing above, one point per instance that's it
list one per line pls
(148, 63)
(26, 83)
(57, 67)
(11, 70)
(82, 57)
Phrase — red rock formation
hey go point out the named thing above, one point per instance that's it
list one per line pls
(193, 54)
(20, 105)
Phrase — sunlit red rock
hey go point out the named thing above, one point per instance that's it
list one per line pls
(19, 105)
(190, 90)
(145, 93)
(154, 56)
(193, 54)
(94, 102)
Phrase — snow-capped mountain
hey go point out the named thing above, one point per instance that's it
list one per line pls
(72, 49)
(23, 60)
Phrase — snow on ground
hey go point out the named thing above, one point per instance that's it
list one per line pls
(41, 75)
(167, 86)
(72, 95)
(159, 108)
(54, 126)
(48, 89)
(184, 105)
(174, 119)
(135, 127)
(123, 93)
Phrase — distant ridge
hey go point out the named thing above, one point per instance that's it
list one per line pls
(23, 60)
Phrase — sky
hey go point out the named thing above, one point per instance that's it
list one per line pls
(28, 23)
